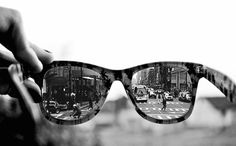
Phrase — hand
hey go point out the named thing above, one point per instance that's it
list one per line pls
(15, 128)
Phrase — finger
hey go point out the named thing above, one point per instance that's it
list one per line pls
(21, 92)
(14, 39)
(6, 58)
(34, 90)
(44, 56)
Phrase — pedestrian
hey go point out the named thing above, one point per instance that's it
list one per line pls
(176, 92)
(163, 102)
(76, 111)
(135, 90)
(91, 99)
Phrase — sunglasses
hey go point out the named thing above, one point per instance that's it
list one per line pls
(161, 92)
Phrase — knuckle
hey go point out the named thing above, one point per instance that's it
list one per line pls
(15, 16)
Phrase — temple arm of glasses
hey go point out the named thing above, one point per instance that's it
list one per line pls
(226, 85)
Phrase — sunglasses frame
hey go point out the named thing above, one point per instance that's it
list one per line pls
(195, 71)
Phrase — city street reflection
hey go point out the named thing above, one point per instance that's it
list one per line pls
(163, 91)
(72, 93)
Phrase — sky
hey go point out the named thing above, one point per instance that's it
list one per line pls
(126, 33)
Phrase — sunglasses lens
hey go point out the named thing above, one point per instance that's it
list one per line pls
(72, 94)
(163, 92)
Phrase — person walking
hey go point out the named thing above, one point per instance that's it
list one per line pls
(163, 102)
(91, 98)
(76, 111)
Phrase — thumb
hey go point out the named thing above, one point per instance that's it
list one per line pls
(34, 90)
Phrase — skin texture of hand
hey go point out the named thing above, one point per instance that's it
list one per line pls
(15, 126)
(13, 38)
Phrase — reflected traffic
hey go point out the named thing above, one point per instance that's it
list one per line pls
(71, 92)
(163, 91)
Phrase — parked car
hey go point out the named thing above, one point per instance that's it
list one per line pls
(152, 94)
(141, 95)
(168, 96)
(185, 96)
(159, 93)
(54, 107)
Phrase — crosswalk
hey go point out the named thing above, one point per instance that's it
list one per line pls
(68, 115)
(85, 109)
(167, 109)
(174, 109)
(162, 117)
(171, 106)
(157, 102)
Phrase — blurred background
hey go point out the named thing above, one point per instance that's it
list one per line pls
(125, 33)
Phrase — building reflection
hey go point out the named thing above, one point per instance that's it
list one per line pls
(70, 86)
(165, 76)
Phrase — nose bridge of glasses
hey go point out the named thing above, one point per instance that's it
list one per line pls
(120, 76)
